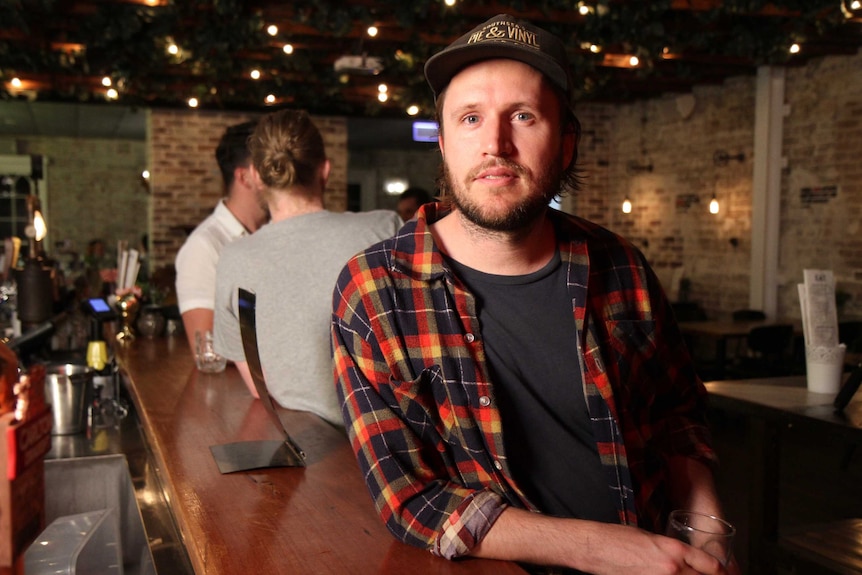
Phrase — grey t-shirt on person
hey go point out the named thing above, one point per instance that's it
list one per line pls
(292, 266)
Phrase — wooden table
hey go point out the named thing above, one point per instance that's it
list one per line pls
(721, 331)
(773, 404)
(318, 519)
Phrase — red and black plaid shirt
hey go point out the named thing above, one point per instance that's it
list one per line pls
(420, 409)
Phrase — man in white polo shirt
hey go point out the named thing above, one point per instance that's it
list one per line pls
(242, 211)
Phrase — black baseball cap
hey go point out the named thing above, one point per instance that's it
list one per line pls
(503, 36)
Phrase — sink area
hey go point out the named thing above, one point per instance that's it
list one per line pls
(102, 483)
(110, 469)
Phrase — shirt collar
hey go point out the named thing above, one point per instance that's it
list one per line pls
(229, 221)
(414, 252)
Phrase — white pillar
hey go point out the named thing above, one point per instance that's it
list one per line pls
(769, 115)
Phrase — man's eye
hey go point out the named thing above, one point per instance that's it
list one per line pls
(471, 119)
(523, 116)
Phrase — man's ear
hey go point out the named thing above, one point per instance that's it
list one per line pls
(248, 176)
(324, 171)
(440, 144)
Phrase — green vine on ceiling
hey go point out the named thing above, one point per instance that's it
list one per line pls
(222, 39)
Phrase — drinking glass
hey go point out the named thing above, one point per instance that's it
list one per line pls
(207, 360)
(706, 532)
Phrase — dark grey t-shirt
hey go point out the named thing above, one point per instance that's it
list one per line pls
(528, 328)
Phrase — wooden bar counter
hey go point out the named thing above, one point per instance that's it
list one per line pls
(318, 519)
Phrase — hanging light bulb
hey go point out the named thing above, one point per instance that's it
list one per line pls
(627, 206)
(713, 205)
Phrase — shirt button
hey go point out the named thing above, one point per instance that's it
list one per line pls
(498, 465)
(484, 401)
(469, 337)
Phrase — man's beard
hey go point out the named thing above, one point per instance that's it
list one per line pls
(520, 216)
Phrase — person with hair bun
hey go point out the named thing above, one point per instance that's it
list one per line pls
(291, 264)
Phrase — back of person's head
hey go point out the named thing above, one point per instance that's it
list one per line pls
(232, 151)
(421, 195)
(287, 149)
(410, 200)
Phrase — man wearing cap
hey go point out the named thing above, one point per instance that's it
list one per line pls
(511, 378)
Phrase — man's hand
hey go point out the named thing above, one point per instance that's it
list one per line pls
(593, 547)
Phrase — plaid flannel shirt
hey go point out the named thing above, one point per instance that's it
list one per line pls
(419, 406)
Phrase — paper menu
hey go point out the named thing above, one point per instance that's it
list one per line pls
(819, 313)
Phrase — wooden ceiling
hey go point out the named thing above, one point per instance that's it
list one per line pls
(60, 50)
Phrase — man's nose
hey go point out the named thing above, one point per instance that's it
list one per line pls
(498, 137)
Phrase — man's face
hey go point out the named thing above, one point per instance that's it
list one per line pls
(502, 143)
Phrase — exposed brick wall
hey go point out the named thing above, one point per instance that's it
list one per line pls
(94, 189)
(823, 147)
(186, 184)
(670, 221)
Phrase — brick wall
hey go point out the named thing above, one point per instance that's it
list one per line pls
(94, 189)
(823, 147)
(670, 220)
(186, 183)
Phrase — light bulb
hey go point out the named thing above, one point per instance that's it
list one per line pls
(627, 206)
(713, 205)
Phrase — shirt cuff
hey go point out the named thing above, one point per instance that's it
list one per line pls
(469, 524)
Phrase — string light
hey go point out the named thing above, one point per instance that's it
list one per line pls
(372, 31)
(627, 206)
(112, 94)
(272, 30)
(288, 49)
(106, 81)
(173, 49)
(852, 9)
(449, 3)
(193, 102)
(794, 48)
(255, 74)
(270, 99)
(412, 110)
(634, 61)
(16, 82)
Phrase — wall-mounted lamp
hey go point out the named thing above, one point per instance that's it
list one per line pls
(713, 205)
(722, 158)
(627, 206)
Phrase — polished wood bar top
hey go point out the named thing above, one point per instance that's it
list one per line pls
(316, 519)
(787, 400)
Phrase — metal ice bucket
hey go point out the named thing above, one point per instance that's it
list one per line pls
(69, 389)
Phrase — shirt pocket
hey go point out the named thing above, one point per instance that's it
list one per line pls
(634, 348)
(432, 407)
